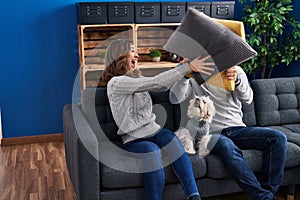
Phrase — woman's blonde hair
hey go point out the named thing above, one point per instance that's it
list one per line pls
(116, 63)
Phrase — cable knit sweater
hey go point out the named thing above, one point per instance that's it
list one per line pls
(131, 104)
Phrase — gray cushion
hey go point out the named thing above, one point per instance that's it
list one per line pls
(292, 155)
(277, 101)
(198, 35)
(292, 132)
(249, 117)
(216, 168)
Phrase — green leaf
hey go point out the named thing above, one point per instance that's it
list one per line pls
(275, 34)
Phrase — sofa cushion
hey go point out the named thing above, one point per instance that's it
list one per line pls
(277, 101)
(95, 106)
(292, 155)
(113, 179)
(216, 168)
(249, 117)
(292, 132)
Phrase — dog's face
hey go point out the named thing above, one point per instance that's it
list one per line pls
(201, 108)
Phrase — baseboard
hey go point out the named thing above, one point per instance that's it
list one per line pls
(0, 128)
(32, 139)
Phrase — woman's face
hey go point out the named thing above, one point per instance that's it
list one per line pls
(132, 57)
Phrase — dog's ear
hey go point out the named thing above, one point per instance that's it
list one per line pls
(211, 108)
(197, 101)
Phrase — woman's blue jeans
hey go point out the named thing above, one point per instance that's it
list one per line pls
(154, 180)
(273, 145)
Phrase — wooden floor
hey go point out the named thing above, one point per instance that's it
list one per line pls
(34, 172)
(38, 172)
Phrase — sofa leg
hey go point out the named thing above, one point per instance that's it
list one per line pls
(290, 192)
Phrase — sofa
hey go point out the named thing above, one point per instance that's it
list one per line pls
(91, 140)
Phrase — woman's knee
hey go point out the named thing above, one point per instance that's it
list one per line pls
(151, 147)
(166, 135)
(142, 147)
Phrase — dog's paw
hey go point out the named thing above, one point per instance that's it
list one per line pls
(189, 147)
(201, 145)
(186, 140)
(203, 153)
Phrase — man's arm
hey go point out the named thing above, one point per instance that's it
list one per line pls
(243, 91)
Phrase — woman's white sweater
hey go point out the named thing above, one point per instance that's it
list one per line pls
(131, 104)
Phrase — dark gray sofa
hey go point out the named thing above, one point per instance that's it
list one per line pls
(276, 105)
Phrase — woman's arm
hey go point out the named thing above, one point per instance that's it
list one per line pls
(160, 82)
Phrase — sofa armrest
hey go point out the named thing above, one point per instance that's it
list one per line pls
(82, 163)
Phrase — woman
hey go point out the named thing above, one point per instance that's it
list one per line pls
(131, 106)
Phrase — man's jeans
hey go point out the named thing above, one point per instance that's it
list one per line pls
(154, 180)
(273, 145)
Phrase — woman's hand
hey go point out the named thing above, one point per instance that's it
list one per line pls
(202, 65)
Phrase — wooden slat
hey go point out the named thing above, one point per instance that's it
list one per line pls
(146, 50)
(104, 34)
(91, 67)
(32, 139)
(150, 42)
(165, 25)
(155, 33)
(93, 75)
(94, 52)
(93, 60)
(107, 27)
(91, 44)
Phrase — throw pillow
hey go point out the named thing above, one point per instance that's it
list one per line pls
(198, 34)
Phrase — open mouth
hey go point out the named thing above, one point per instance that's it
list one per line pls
(133, 64)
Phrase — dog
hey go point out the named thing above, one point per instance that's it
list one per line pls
(195, 136)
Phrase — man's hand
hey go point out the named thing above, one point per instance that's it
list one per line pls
(231, 73)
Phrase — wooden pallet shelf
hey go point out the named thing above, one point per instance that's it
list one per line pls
(93, 39)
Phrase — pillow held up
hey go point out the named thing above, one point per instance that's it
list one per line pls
(199, 34)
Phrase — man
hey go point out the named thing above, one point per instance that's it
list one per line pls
(234, 136)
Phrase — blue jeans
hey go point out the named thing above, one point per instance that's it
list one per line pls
(154, 180)
(273, 145)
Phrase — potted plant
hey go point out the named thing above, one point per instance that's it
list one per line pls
(155, 55)
(274, 35)
(101, 55)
